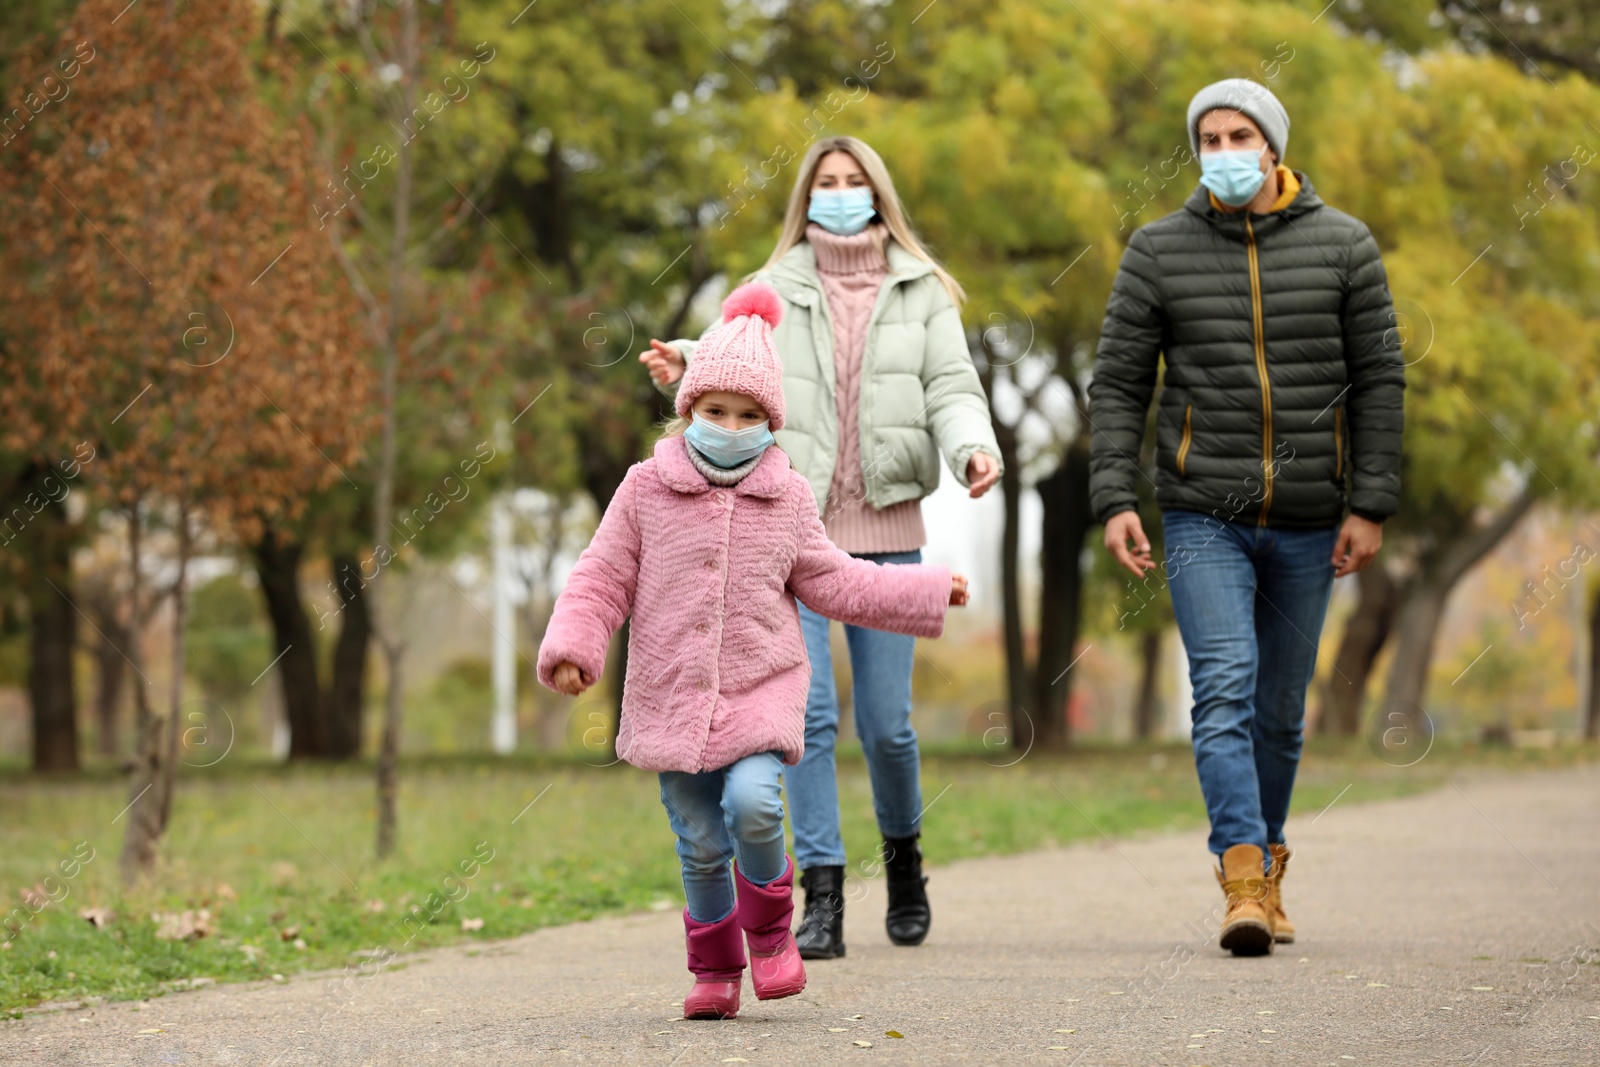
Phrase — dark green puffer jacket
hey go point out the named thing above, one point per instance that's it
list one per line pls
(1283, 373)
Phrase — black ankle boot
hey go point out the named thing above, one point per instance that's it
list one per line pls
(821, 933)
(909, 915)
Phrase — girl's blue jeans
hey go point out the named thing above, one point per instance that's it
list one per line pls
(736, 810)
(880, 672)
(1250, 602)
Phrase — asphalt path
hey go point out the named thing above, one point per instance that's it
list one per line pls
(1457, 927)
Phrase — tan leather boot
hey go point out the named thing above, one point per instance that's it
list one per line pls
(1246, 927)
(1282, 928)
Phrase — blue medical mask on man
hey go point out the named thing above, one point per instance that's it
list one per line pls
(842, 211)
(1234, 175)
(727, 448)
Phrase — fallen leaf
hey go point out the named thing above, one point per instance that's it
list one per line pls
(1483, 988)
(1377, 985)
(225, 891)
(1269, 1031)
(863, 1044)
(1452, 1009)
(857, 1015)
(184, 925)
(893, 1033)
(152, 1031)
(288, 933)
(1058, 1048)
(1066, 1031)
(1268, 1012)
(836, 1029)
(477, 924)
(1115, 993)
(1194, 1046)
(99, 918)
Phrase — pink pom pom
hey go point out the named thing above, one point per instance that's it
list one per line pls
(758, 299)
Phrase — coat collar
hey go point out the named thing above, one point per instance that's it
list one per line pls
(1232, 223)
(769, 478)
(798, 268)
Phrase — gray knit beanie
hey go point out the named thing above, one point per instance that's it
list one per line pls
(1249, 98)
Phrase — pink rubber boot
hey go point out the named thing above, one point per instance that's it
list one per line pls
(716, 958)
(765, 912)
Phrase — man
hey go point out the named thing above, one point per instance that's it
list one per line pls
(1280, 406)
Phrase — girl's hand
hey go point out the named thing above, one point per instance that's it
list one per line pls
(664, 362)
(958, 590)
(569, 679)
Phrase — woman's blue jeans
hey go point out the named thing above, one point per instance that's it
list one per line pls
(716, 814)
(880, 671)
(1250, 602)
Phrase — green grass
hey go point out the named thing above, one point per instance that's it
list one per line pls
(267, 849)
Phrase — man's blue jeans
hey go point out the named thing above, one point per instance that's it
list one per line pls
(880, 672)
(1250, 603)
(734, 809)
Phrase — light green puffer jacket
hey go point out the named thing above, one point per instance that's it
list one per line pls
(920, 394)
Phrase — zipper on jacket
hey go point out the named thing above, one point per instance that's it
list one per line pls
(1261, 368)
(1338, 446)
(1188, 437)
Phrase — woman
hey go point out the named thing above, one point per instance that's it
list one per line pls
(877, 381)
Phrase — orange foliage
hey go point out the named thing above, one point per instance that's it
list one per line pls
(170, 297)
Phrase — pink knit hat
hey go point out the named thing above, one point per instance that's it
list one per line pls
(737, 355)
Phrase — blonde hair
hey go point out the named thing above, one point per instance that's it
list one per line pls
(894, 216)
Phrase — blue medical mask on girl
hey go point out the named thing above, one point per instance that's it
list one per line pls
(1235, 176)
(842, 211)
(727, 448)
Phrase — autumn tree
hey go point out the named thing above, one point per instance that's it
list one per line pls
(179, 312)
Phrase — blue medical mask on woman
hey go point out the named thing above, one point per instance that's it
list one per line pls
(1235, 176)
(842, 211)
(727, 448)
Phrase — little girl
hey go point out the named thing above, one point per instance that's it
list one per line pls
(707, 545)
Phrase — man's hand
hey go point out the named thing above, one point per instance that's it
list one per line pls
(664, 362)
(982, 472)
(569, 679)
(958, 590)
(1122, 528)
(1359, 541)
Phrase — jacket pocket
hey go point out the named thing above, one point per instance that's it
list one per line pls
(1338, 444)
(1186, 439)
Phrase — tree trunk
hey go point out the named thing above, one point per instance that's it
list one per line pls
(1068, 518)
(1144, 708)
(384, 623)
(1021, 727)
(278, 567)
(1422, 609)
(1365, 633)
(53, 633)
(144, 830)
(389, 749)
(346, 695)
(112, 669)
(1591, 717)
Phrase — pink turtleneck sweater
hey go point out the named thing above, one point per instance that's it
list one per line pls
(852, 270)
